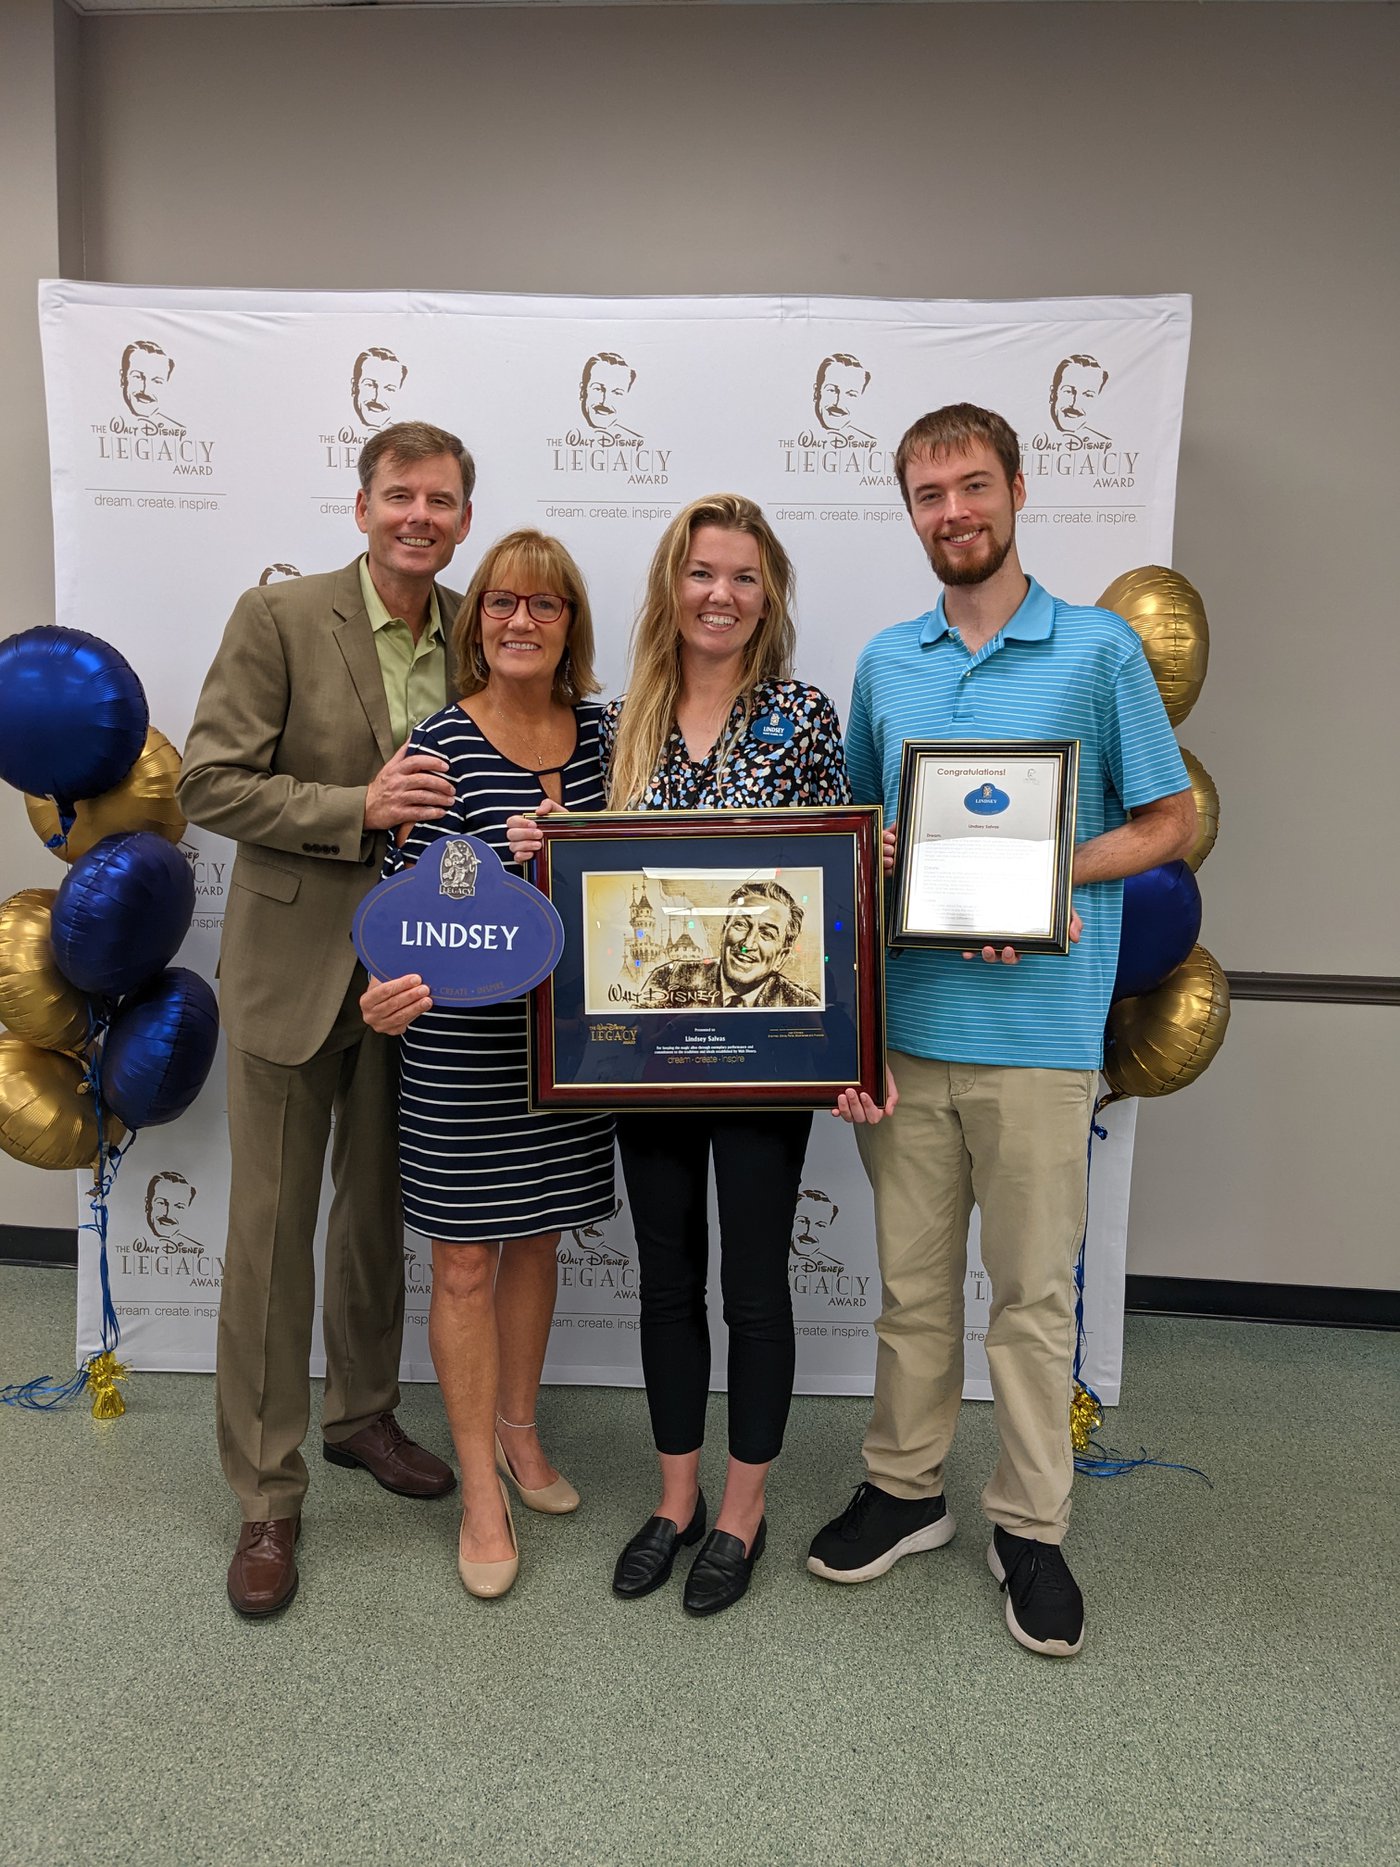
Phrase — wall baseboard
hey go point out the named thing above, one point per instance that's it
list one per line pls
(39, 1244)
(1322, 1305)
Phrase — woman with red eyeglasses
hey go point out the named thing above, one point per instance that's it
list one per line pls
(491, 1184)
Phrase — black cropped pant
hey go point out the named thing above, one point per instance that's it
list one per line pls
(758, 1167)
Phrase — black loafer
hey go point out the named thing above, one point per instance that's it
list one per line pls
(719, 1576)
(647, 1560)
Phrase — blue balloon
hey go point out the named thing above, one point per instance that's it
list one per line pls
(1161, 924)
(160, 1048)
(121, 912)
(73, 715)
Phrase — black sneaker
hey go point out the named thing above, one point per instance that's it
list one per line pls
(874, 1531)
(1044, 1608)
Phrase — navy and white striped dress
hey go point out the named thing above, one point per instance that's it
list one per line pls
(476, 1165)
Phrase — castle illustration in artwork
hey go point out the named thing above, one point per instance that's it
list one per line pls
(645, 945)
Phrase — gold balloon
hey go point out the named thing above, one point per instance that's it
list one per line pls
(36, 1001)
(1168, 614)
(1207, 810)
(46, 1118)
(144, 800)
(1160, 1042)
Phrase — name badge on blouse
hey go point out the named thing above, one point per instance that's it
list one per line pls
(771, 729)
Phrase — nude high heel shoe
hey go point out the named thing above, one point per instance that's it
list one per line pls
(556, 1500)
(488, 1579)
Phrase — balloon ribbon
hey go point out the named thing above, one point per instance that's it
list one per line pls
(67, 817)
(99, 1373)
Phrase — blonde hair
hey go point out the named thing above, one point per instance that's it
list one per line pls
(654, 675)
(540, 563)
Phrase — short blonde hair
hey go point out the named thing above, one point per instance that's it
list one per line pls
(541, 563)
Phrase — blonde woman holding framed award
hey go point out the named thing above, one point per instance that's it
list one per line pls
(713, 720)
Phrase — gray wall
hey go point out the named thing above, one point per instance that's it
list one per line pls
(38, 41)
(1246, 154)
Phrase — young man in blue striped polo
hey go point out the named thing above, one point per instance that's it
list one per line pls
(995, 1058)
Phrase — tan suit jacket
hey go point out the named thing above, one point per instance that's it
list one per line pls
(291, 726)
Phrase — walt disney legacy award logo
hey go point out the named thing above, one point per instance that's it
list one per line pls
(165, 1247)
(592, 1260)
(376, 380)
(837, 444)
(1077, 443)
(143, 431)
(210, 874)
(814, 1270)
(146, 370)
(606, 444)
(417, 1270)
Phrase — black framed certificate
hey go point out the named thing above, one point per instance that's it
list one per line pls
(712, 959)
(985, 844)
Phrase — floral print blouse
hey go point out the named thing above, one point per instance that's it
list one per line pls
(781, 746)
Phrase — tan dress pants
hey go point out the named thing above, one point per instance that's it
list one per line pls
(279, 1122)
(1015, 1141)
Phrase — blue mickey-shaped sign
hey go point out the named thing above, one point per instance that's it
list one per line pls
(986, 800)
(474, 933)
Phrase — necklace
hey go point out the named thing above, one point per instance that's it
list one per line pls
(523, 742)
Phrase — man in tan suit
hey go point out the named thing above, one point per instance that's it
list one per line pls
(296, 751)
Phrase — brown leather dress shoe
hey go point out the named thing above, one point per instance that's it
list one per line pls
(263, 1574)
(393, 1459)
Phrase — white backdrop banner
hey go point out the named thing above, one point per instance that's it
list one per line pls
(203, 441)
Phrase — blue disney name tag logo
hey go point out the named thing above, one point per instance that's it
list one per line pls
(986, 801)
(772, 729)
(474, 933)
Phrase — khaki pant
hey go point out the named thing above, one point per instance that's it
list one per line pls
(279, 1122)
(1015, 1140)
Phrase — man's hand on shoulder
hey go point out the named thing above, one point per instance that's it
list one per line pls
(411, 788)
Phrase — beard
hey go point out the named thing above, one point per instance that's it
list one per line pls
(970, 571)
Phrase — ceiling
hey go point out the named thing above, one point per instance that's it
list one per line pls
(252, 6)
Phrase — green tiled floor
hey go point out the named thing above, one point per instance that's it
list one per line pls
(1235, 1701)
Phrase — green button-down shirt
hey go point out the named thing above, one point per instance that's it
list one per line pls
(414, 673)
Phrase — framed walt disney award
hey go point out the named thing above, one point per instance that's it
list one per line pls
(712, 959)
(985, 844)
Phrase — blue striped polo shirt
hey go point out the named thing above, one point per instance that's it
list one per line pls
(1055, 671)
